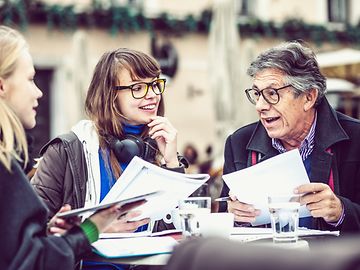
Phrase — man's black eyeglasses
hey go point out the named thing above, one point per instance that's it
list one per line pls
(270, 95)
(140, 90)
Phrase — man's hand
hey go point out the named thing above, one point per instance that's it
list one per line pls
(242, 212)
(321, 201)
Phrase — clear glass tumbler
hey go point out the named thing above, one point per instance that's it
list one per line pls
(284, 215)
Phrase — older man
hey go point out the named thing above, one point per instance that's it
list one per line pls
(288, 93)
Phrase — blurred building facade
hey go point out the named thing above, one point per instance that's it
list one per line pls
(65, 54)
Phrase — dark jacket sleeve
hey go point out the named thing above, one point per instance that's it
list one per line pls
(351, 221)
(48, 180)
(349, 190)
(228, 167)
(23, 219)
(236, 155)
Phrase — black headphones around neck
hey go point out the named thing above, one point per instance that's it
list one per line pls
(131, 146)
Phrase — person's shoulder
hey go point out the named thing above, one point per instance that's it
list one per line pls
(15, 170)
(343, 118)
(349, 124)
(58, 142)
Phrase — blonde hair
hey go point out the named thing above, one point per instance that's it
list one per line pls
(12, 135)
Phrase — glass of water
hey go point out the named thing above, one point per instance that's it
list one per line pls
(190, 209)
(284, 215)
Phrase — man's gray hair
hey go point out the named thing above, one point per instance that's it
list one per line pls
(297, 62)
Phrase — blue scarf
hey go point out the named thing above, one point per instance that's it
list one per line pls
(107, 177)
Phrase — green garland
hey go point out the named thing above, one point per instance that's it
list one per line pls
(126, 19)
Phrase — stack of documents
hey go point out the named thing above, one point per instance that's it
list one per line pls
(248, 234)
(139, 234)
(132, 247)
(141, 177)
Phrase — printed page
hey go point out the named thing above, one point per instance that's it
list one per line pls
(301, 231)
(143, 177)
(131, 247)
(279, 175)
(138, 234)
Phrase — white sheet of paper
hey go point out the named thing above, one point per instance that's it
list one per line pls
(142, 177)
(301, 231)
(124, 235)
(138, 234)
(130, 247)
(275, 176)
(248, 234)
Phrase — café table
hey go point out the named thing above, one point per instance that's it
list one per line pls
(161, 259)
(158, 259)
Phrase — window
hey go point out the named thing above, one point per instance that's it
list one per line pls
(338, 11)
(245, 8)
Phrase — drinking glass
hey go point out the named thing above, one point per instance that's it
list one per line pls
(284, 215)
(190, 209)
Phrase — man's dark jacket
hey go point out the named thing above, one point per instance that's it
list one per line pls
(334, 131)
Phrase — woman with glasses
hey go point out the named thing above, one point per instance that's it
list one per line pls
(23, 217)
(288, 92)
(125, 107)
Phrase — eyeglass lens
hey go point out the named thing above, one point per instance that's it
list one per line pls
(140, 90)
(269, 94)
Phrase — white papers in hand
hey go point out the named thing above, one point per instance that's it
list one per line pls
(142, 177)
(130, 247)
(276, 176)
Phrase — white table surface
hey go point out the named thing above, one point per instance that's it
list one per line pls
(161, 259)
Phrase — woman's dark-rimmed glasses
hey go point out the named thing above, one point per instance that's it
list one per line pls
(140, 90)
(270, 95)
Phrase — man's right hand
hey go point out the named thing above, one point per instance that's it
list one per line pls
(243, 212)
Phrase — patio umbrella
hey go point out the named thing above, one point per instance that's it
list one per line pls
(337, 89)
(224, 68)
(78, 77)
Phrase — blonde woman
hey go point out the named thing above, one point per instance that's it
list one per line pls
(23, 217)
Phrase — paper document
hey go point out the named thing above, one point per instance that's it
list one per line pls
(248, 234)
(138, 234)
(142, 177)
(131, 247)
(102, 205)
(124, 235)
(301, 231)
(276, 176)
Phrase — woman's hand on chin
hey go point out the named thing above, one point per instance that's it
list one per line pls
(165, 135)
